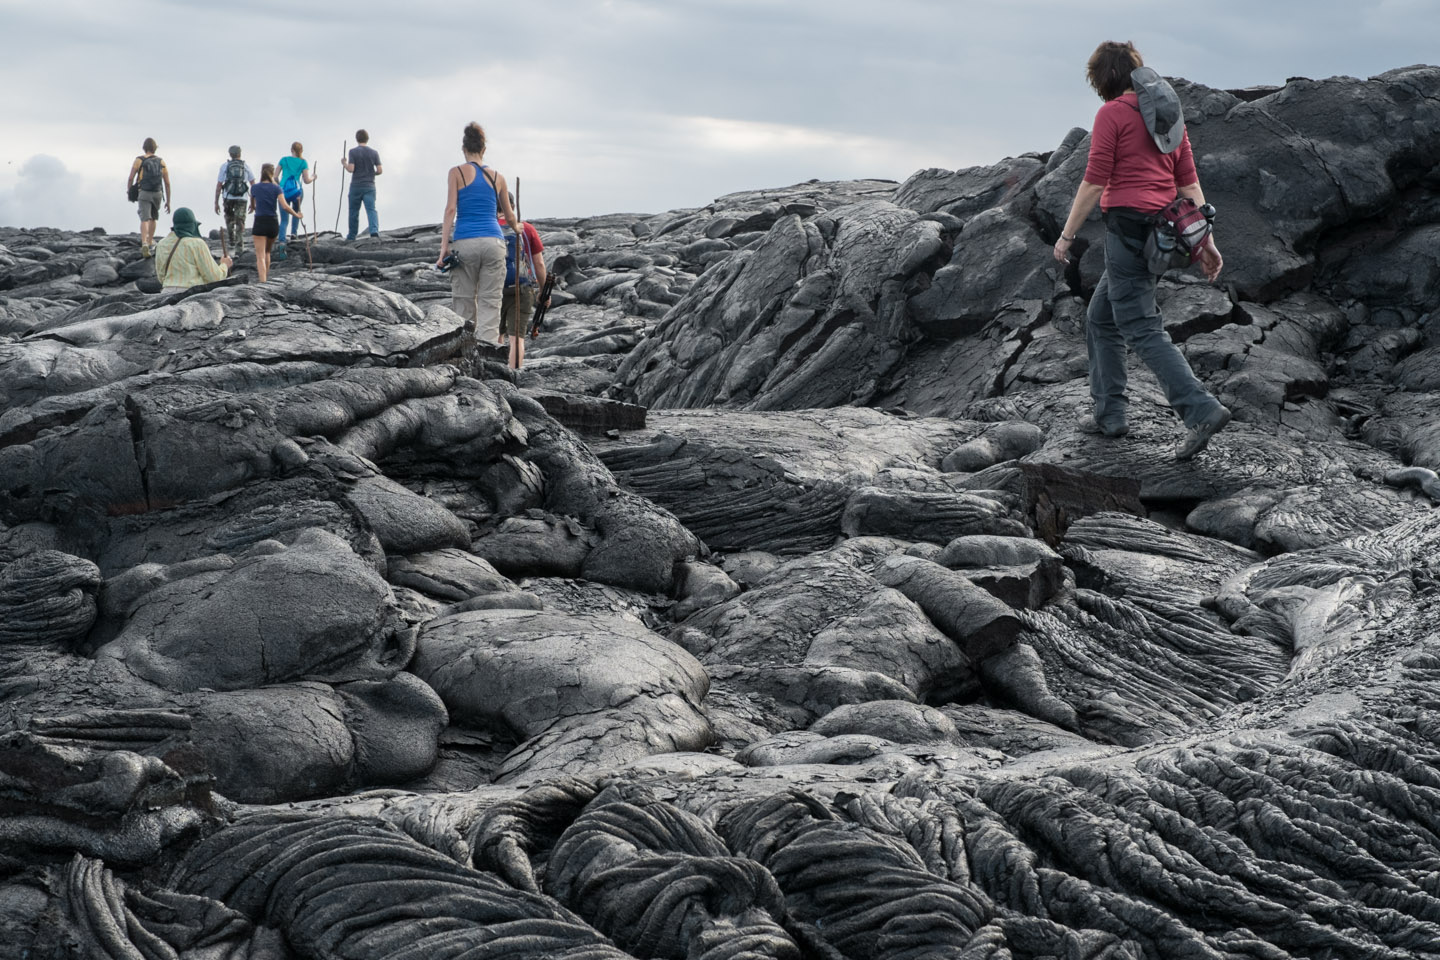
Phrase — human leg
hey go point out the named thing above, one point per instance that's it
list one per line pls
(491, 253)
(297, 203)
(1105, 353)
(354, 221)
(372, 219)
(284, 222)
(464, 280)
(264, 233)
(514, 320)
(1136, 316)
(235, 225)
(149, 208)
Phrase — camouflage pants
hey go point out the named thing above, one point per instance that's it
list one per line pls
(235, 223)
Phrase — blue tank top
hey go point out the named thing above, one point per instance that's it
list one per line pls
(475, 208)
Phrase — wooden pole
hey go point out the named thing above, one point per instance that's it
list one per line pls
(314, 203)
(344, 154)
(519, 226)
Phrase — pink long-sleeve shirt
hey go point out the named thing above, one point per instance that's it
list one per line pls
(1125, 161)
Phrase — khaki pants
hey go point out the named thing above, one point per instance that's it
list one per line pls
(476, 283)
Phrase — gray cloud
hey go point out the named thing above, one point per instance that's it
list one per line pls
(603, 105)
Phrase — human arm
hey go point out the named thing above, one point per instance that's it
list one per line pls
(134, 173)
(502, 200)
(1085, 199)
(345, 162)
(541, 274)
(219, 185)
(308, 174)
(205, 263)
(447, 222)
(1210, 260)
(536, 249)
(165, 179)
(379, 169)
(289, 209)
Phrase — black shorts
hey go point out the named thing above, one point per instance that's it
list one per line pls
(266, 227)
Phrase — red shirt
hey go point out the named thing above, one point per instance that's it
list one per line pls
(532, 238)
(1125, 161)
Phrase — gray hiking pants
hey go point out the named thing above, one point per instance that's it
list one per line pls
(1123, 313)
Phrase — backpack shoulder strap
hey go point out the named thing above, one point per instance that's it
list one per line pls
(171, 259)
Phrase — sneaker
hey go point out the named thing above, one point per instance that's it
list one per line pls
(146, 250)
(1088, 424)
(1197, 438)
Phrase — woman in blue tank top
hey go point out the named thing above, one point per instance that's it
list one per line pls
(470, 230)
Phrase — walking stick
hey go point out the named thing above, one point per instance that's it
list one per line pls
(309, 260)
(519, 252)
(315, 202)
(344, 152)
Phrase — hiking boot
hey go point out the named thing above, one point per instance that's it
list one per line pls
(1197, 438)
(1088, 424)
(146, 250)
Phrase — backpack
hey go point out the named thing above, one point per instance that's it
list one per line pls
(1178, 235)
(150, 168)
(291, 184)
(236, 186)
(513, 240)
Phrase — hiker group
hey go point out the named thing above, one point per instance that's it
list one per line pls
(1140, 171)
(495, 267)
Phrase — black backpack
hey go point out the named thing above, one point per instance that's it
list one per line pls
(150, 174)
(236, 186)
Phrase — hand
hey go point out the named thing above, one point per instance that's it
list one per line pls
(1062, 250)
(167, 206)
(1211, 261)
(547, 303)
(217, 208)
(227, 262)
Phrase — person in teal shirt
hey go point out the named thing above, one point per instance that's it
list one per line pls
(294, 173)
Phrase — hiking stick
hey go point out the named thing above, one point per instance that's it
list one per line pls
(344, 152)
(309, 260)
(519, 252)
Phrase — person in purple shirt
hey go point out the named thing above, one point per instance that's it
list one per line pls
(364, 163)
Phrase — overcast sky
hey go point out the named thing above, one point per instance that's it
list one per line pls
(602, 106)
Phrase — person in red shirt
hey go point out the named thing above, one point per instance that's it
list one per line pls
(1131, 179)
(515, 321)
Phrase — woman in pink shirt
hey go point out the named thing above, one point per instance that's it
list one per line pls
(1132, 179)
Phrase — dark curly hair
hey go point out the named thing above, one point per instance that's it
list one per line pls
(1109, 68)
(474, 138)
